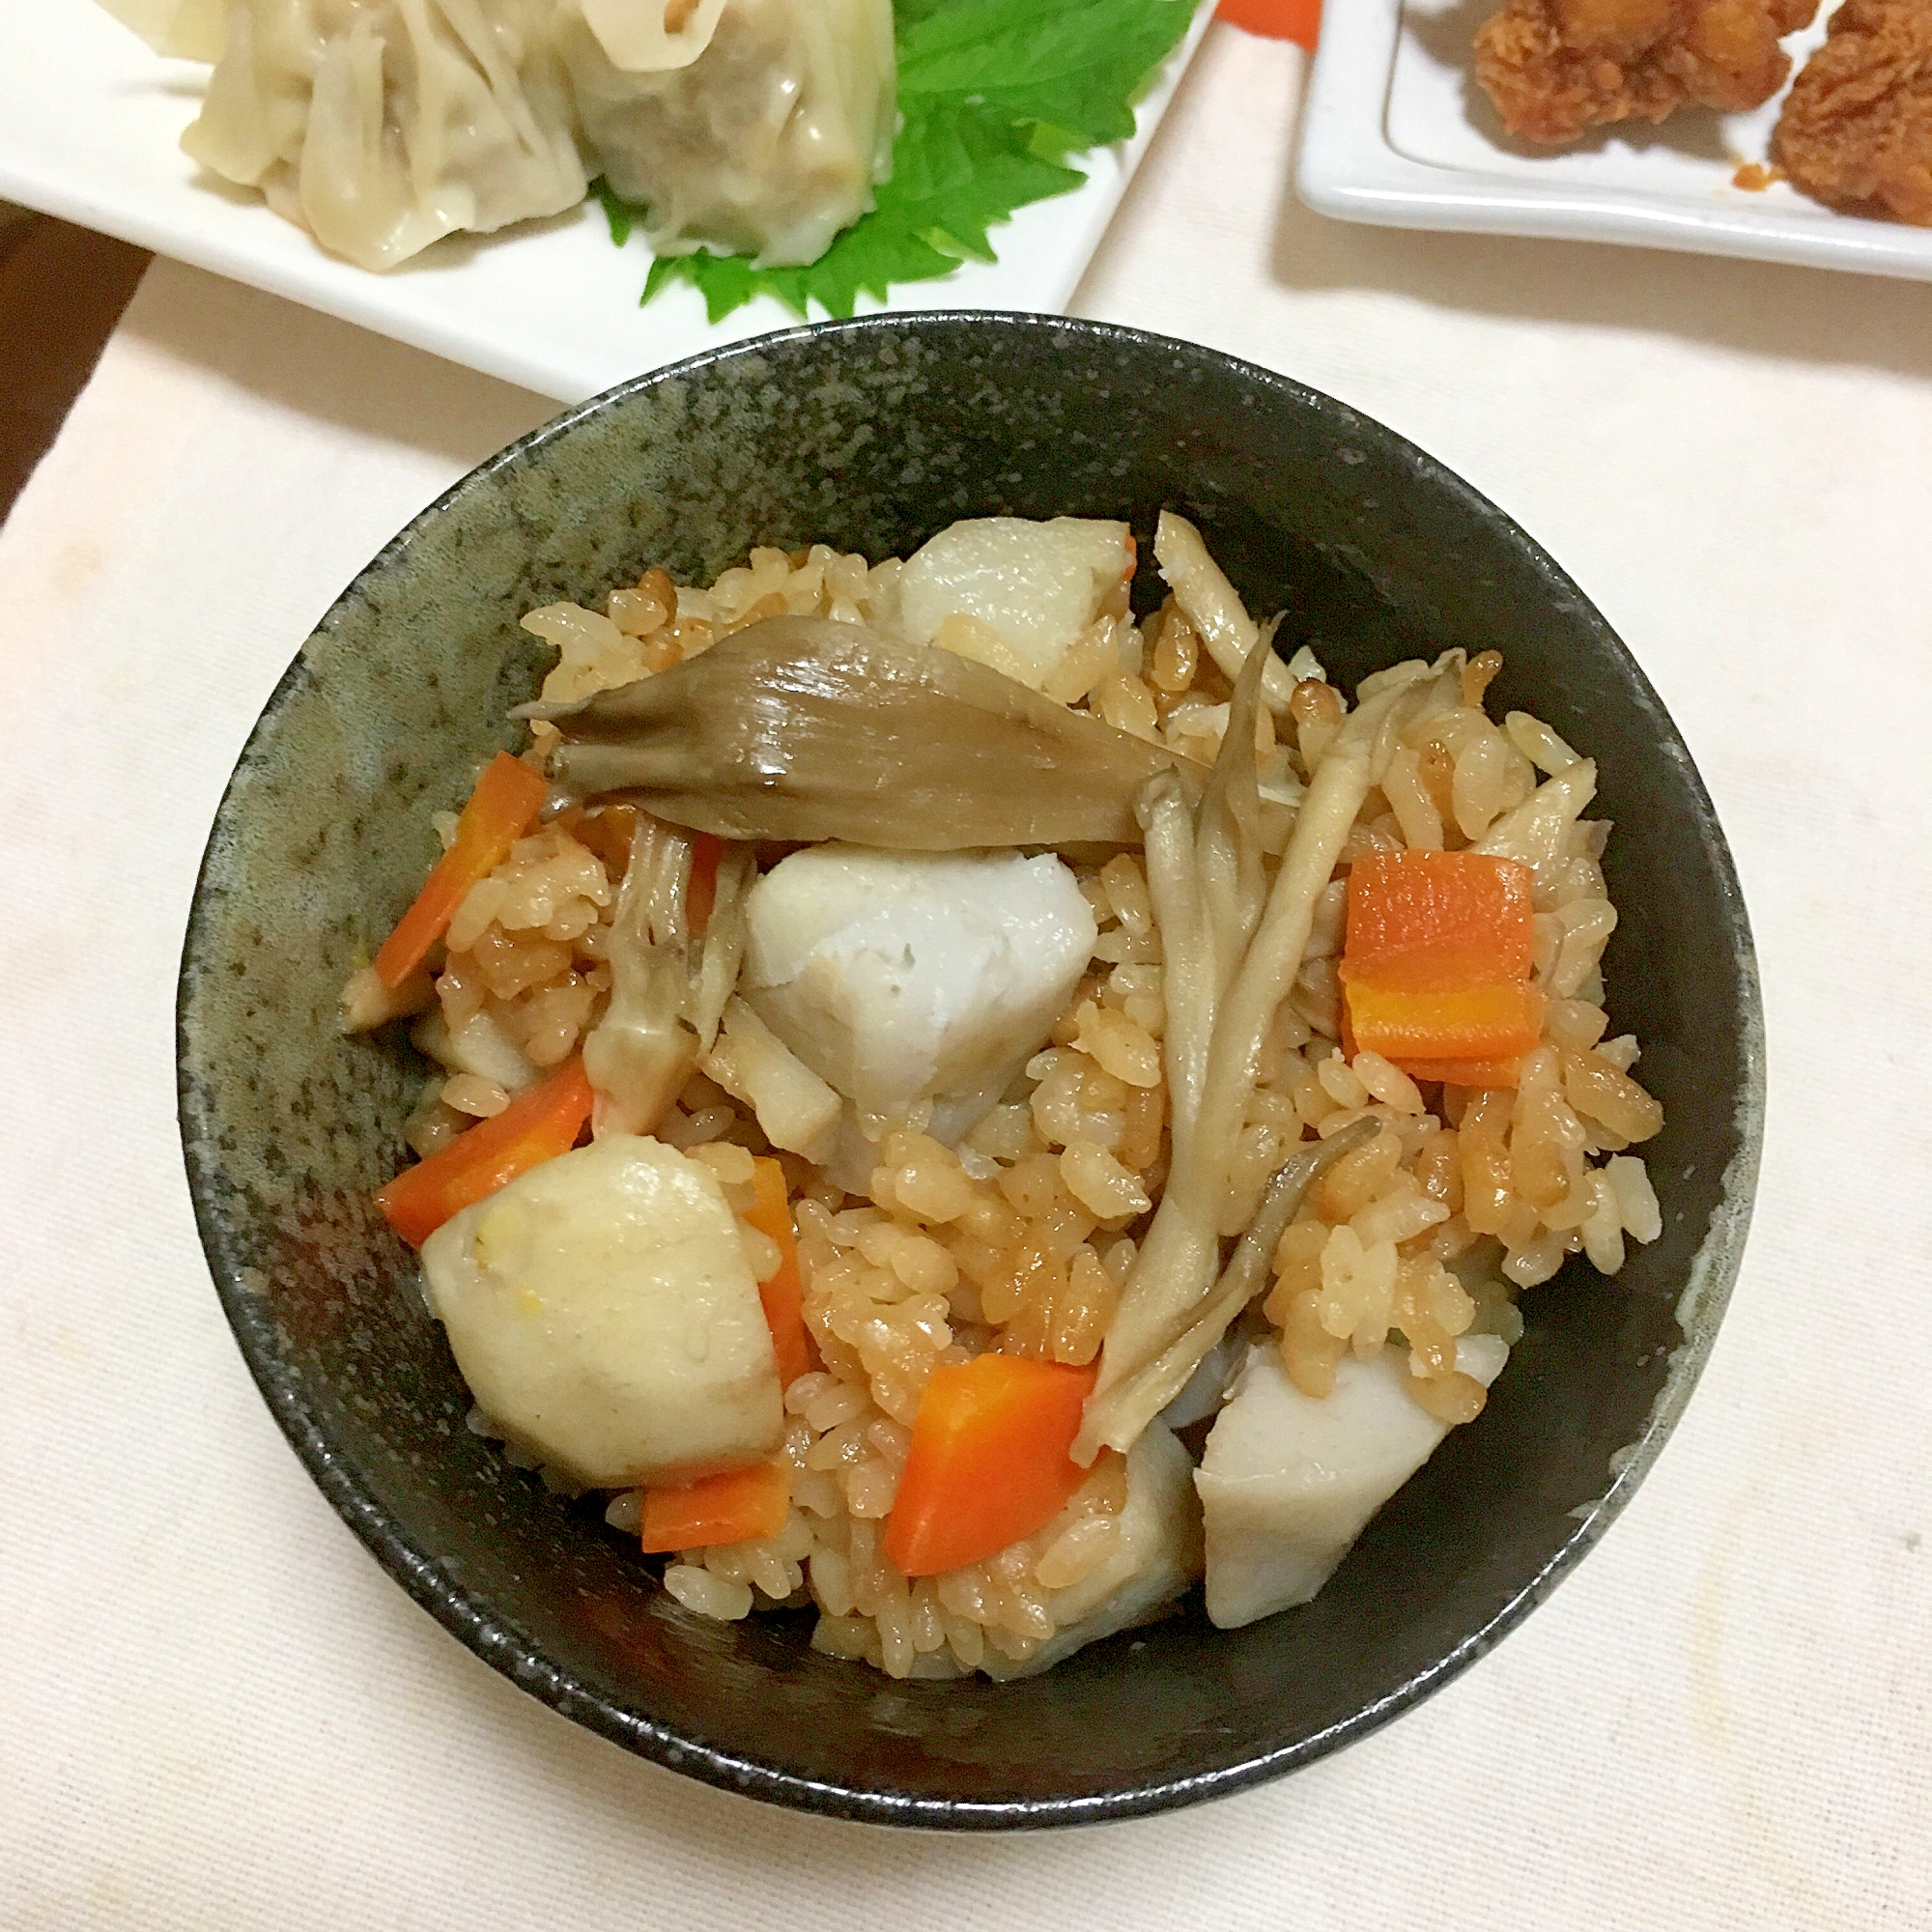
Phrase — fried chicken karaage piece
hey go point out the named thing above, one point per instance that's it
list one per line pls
(1857, 131)
(1555, 69)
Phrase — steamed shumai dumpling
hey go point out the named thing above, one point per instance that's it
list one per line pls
(182, 29)
(382, 125)
(766, 142)
(747, 127)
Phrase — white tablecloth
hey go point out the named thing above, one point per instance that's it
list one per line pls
(216, 1713)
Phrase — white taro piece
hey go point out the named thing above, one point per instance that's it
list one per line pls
(906, 976)
(604, 1315)
(1289, 1481)
(1036, 586)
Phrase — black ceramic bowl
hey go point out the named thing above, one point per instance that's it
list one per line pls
(871, 436)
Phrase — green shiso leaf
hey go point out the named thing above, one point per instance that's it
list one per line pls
(620, 214)
(996, 96)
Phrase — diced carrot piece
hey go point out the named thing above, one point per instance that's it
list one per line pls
(1436, 963)
(540, 1123)
(1433, 921)
(1493, 1022)
(988, 1462)
(508, 798)
(706, 849)
(739, 1506)
(1466, 1072)
(1297, 20)
(784, 1292)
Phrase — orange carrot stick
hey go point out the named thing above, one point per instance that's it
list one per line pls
(1298, 20)
(988, 1462)
(1436, 962)
(739, 1506)
(1435, 920)
(1466, 1072)
(499, 812)
(538, 1125)
(783, 1293)
(1494, 1022)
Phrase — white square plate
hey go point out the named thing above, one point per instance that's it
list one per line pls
(1396, 132)
(90, 130)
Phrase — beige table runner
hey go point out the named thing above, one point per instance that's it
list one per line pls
(216, 1713)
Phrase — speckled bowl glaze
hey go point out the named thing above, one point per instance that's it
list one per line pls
(871, 436)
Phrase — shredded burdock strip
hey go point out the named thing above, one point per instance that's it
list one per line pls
(1166, 1321)
(1228, 843)
(1212, 605)
(1206, 880)
(668, 989)
(1145, 1391)
(1189, 986)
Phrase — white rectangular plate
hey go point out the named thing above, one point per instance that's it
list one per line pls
(90, 130)
(1397, 131)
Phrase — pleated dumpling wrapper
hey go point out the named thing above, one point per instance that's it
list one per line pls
(379, 126)
(756, 128)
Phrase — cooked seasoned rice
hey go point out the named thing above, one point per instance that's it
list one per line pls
(1023, 1237)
